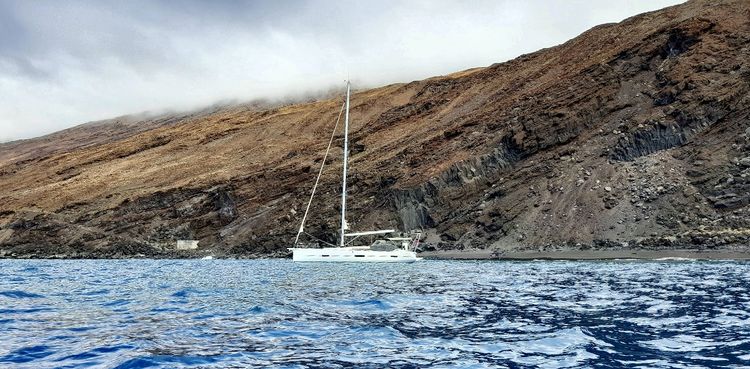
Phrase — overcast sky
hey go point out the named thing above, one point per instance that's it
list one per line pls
(63, 63)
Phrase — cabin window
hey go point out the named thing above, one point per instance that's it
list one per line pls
(394, 256)
(325, 256)
(359, 256)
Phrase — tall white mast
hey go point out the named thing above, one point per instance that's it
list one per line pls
(346, 160)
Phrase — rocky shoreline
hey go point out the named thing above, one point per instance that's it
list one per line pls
(571, 254)
(705, 247)
(153, 254)
(560, 254)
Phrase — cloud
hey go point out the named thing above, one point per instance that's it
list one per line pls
(64, 63)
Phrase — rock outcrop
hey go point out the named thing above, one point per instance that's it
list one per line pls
(634, 134)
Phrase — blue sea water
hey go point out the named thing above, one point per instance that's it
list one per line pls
(431, 314)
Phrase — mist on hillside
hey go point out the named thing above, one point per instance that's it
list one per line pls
(62, 64)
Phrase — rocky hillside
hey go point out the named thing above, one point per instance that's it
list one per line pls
(634, 134)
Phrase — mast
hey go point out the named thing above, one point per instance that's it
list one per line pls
(346, 160)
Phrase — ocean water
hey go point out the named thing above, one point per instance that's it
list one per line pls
(431, 314)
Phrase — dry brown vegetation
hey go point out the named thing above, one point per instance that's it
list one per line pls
(625, 134)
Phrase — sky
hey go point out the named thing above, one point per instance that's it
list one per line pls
(63, 63)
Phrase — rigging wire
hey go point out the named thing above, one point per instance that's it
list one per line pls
(320, 173)
(319, 240)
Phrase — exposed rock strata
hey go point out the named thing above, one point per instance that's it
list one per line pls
(632, 135)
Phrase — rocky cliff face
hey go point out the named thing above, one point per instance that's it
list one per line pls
(634, 134)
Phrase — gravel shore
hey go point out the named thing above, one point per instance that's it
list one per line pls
(590, 255)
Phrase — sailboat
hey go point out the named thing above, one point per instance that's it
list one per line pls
(396, 248)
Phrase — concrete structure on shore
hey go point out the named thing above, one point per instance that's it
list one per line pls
(187, 244)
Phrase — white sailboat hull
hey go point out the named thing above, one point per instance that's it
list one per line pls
(353, 255)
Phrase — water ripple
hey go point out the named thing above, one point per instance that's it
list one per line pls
(278, 314)
(20, 295)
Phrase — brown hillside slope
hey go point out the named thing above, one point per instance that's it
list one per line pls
(632, 133)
